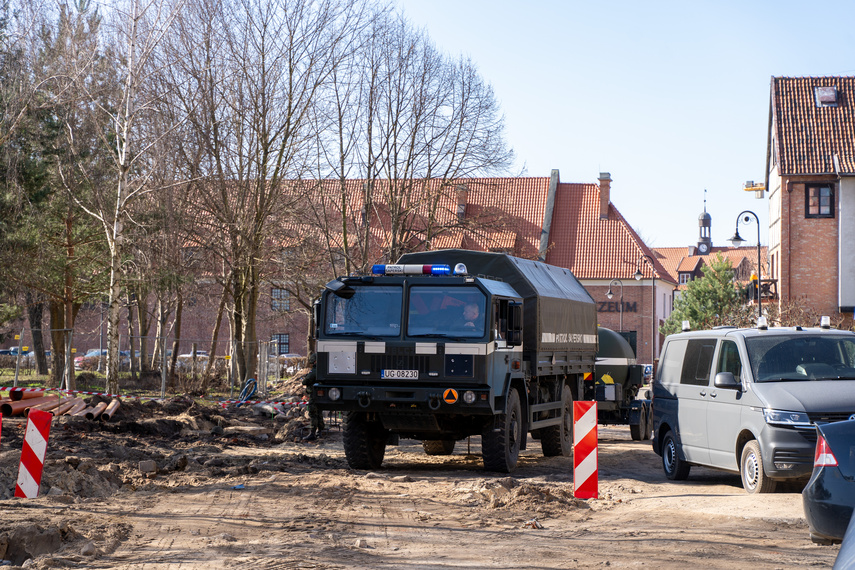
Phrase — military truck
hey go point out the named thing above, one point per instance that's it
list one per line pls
(447, 344)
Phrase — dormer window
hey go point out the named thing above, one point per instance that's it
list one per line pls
(685, 278)
(825, 96)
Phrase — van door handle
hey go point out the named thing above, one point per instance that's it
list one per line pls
(713, 394)
(703, 393)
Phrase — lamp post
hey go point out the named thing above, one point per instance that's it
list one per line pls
(638, 275)
(609, 294)
(737, 241)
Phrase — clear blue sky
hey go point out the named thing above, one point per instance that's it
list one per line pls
(671, 98)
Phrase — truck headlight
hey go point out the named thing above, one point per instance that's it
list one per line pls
(334, 394)
(469, 397)
(781, 417)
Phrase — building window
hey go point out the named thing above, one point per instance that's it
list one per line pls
(280, 300)
(282, 342)
(685, 278)
(819, 201)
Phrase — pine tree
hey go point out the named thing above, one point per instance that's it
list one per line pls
(710, 301)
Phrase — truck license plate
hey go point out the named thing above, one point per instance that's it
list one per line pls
(414, 374)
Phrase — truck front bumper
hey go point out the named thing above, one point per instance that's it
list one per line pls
(433, 399)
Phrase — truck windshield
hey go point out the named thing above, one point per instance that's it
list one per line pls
(446, 312)
(801, 357)
(371, 311)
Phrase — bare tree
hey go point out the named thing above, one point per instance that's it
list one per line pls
(259, 71)
(132, 31)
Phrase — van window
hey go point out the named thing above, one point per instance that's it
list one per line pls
(671, 362)
(728, 359)
(698, 362)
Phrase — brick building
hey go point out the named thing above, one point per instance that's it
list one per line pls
(810, 180)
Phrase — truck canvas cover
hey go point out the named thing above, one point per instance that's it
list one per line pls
(558, 313)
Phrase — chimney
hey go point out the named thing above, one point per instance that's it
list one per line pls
(605, 194)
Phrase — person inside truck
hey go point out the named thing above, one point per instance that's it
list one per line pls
(470, 315)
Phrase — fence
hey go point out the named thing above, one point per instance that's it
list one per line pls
(145, 360)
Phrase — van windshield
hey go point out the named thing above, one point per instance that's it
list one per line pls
(803, 356)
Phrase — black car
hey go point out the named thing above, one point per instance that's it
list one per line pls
(829, 496)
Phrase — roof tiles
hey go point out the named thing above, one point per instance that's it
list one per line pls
(811, 138)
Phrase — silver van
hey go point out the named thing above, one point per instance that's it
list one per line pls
(746, 400)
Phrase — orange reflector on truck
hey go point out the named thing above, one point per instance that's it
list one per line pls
(450, 396)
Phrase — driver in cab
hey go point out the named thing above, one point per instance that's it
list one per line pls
(470, 315)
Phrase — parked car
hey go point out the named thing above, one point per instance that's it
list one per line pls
(747, 400)
(291, 362)
(829, 496)
(89, 359)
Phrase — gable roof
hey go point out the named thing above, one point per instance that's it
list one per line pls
(809, 138)
(677, 260)
(591, 247)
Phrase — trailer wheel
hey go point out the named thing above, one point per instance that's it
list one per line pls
(501, 448)
(438, 446)
(636, 431)
(558, 440)
(364, 441)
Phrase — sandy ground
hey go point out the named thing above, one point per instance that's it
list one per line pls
(254, 497)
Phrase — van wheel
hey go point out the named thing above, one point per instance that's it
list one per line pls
(501, 448)
(754, 477)
(558, 440)
(675, 468)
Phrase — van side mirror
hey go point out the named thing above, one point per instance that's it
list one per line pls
(726, 380)
(514, 324)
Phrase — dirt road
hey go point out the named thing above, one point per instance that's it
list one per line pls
(231, 503)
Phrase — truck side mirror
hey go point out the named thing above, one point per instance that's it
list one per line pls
(514, 324)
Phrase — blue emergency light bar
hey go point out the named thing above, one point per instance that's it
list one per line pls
(411, 269)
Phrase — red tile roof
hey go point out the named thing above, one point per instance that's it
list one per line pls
(679, 259)
(594, 248)
(809, 137)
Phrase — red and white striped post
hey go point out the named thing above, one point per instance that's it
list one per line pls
(585, 450)
(33, 454)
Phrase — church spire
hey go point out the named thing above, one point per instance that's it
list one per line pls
(704, 226)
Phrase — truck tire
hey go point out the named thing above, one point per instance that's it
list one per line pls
(754, 477)
(438, 446)
(637, 431)
(501, 449)
(675, 468)
(364, 441)
(558, 440)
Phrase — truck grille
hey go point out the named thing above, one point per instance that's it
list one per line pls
(418, 362)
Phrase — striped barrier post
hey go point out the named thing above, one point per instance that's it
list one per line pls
(585, 450)
(33, 454)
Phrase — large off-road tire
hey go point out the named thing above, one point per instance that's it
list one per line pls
(438, 446)
(501, 448)
(558, 440)
(675, 468)
(364, 441)
(754, 477)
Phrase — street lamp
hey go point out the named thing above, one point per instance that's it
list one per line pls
(638, 275)
(609, 294)
(737, 241)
